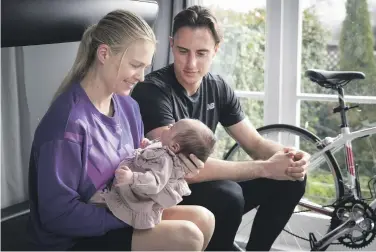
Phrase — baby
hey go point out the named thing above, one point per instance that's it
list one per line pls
(153, 178)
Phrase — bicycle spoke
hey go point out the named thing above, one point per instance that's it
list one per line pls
(321, 190)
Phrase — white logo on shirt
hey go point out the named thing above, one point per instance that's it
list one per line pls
(210, 106)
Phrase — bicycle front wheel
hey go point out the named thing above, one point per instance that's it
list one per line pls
(324, 187)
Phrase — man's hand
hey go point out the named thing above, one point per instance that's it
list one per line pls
(281, 166)
(301, 159)
(192, 164)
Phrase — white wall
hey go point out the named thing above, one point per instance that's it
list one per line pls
(45, 67)
(30, 76)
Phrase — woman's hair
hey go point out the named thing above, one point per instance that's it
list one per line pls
(117, 29)
(196, 17)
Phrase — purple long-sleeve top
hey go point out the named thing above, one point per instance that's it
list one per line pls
(75, 152)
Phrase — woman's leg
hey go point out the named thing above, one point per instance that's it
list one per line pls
(114, 240)
(174, 235)
(182, 228)
(202, 217)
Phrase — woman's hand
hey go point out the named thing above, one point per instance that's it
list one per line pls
(123, 175)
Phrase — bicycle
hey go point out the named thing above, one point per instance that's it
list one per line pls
(352, 219)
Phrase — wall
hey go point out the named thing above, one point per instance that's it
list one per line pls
(30, 76)
(45, 68)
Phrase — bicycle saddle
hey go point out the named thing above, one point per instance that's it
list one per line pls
(333, 77)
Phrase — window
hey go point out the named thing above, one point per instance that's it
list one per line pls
(240, 60)
(341, 35)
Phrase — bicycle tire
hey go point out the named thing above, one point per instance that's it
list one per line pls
(340, 190)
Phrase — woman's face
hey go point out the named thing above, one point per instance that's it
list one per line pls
(123, 70)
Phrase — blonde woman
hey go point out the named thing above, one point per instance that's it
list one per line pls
(90, 126)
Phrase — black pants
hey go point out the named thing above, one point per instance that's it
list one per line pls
(229, 200)
(114, 240)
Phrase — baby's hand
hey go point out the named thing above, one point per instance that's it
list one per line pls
(144, 143)
(123, 175)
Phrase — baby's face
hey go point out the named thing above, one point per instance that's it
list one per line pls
(167, 135)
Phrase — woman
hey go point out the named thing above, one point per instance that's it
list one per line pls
(90, 126)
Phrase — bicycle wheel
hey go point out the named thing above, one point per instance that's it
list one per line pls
(324, 187)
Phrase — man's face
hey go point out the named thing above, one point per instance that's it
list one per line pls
(193, 50)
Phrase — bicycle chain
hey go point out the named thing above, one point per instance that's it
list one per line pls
(334, 224)
(347, 239)
(305, 239)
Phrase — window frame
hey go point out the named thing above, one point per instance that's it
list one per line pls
(282, 78)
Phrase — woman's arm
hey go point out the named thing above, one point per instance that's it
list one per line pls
(61, 209)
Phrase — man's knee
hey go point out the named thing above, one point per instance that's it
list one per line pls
(296, 189)
(229, 194)
(301, 187)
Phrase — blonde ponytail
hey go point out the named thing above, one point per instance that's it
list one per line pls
(117, 29)
(82, 62)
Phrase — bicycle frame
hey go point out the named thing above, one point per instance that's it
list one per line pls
(345, 139)
(334, 144)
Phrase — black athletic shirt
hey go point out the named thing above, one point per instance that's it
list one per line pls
(163, 101)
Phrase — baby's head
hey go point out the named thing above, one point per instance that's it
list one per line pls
(189, 136)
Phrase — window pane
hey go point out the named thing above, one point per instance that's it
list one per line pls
(318, 118)
(240, 59)
(254, 110)
(340, 35)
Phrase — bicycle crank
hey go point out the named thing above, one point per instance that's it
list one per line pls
(353, 224)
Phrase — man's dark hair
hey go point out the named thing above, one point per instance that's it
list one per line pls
(195, 17)
(199, 141)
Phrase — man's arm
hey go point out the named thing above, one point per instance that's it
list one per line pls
(233, 119)
(252, 142)
(215, 169)
(262, 149)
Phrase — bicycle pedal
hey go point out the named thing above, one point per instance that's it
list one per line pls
(312, 241)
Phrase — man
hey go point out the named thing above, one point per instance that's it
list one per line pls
(274, 182)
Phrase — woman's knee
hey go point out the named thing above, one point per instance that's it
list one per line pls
(204, 218)
(176, 235)
(200, 216)
(190, 236)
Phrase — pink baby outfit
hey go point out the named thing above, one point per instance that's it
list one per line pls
(158, 183)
